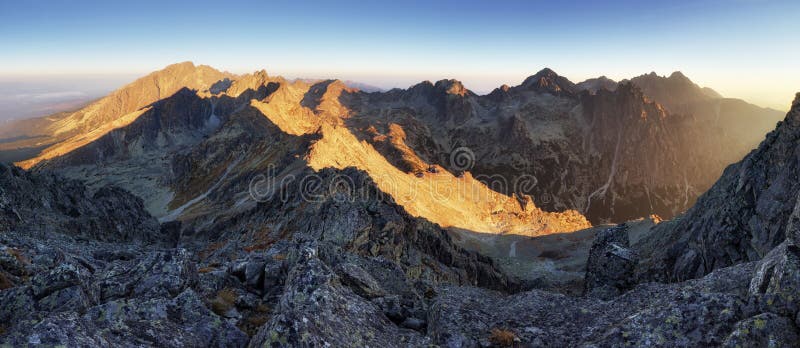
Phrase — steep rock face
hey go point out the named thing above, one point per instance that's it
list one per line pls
(611, 263)
(674, 91)
(569, 152)
(34, 203)
(140, 93)
(741, 218)
(541, 141)
(633, 149)
(47, 134)
(146, 153)
(335, 262)
(547, 81)
(734, 123)
(746, 304)
(180, 118)
(750, 214)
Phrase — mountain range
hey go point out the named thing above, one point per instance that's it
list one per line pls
(612, 153)
(198, 207)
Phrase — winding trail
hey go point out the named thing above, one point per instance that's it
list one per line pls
(512, 251)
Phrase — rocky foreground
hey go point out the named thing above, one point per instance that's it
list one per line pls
(352, 268)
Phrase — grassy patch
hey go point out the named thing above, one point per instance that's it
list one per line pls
(502, 337)
(261, 241)
(224, 301)
(255, 319)
(206, 269)
(5, 281)
(19, 256)
(210, 249)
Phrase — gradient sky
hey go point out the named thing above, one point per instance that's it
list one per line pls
(742, 48)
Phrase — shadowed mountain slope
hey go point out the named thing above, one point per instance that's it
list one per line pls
(741, 218)
(144, 155)
(610, 155)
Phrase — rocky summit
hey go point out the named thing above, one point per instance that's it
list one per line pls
(194, 207)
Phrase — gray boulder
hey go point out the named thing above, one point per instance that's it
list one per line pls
(316, 310)
(764, 330)
(611, 265)
(178, 322)
(776, 284)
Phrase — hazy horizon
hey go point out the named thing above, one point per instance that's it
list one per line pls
(397, 45)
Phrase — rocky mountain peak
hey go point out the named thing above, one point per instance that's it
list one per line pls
(134, 96)
(794, 113)
(544, 74)
(500, 93)
(423, 88)
(249, 86)
(677, 75)
(186, 71)
(179, 66)
(453, 87)
(262, 74)
(674, 92)
(548, 81)
(547, 72)
(595, 84)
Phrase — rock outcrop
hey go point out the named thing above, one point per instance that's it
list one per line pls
(741, 218)
(35, 203)
(95, 270)
(611, 264)
(698, 313)
(595, 84)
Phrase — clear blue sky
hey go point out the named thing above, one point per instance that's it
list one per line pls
(742, 48)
